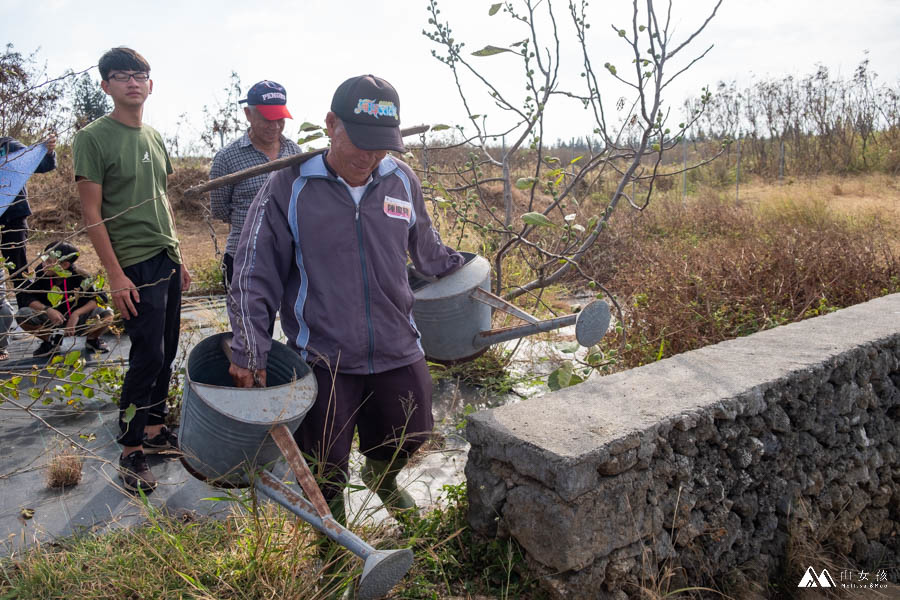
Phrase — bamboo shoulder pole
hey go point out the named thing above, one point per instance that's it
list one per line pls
(274, 165)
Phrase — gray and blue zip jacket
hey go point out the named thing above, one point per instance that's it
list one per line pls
(335, 269)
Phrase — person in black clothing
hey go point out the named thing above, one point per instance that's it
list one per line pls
(14, 221)
(75, 310)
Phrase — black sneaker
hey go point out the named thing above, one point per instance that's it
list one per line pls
(163, 442)
(50, 346)
(96, 345)
(135, 473)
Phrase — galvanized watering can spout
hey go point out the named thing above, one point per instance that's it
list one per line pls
(453, 314)
(591, 322)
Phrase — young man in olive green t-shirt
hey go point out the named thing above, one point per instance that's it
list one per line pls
(120, 168)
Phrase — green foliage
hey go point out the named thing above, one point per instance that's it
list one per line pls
(89, 101)
(565, 375)
(451, 560)
(66, 378)
(225, 119)
(207, 277)
(27, 109)
(537, 219)
(525, 183)
(260, 548)
(490, 51)
(487, 371)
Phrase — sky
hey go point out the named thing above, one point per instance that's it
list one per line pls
(310, 46)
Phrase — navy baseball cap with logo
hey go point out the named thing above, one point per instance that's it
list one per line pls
(369, 107)
(270, 99)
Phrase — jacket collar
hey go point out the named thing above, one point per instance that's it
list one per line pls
(317, 167)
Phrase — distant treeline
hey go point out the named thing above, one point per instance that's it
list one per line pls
(815, 124)
(825, 124)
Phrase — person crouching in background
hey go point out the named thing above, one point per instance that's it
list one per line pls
(60, 301)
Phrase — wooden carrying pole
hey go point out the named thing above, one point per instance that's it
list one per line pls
(274, 165)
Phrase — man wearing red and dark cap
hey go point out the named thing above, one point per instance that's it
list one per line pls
(266, 111)
(327, 242)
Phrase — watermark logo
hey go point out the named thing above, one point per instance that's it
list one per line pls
(810, 579)
(848, 579)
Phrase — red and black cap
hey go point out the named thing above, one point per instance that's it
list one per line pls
(369, 108)
(270, 99)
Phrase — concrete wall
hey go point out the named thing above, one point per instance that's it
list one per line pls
(709, 459)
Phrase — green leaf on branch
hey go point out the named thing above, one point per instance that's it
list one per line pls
(54, 297)
(129, 413)
(537, 220)
(307, 126)
(494, 9)
(439, 127)
(310, 137)
(570, 348)
(563, 377)
(525, 183)
(71, 357)
(575, 160)
(490, 51)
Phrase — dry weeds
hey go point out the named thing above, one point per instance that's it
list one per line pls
(64, 468)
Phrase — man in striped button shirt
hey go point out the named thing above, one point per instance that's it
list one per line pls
(266, 111)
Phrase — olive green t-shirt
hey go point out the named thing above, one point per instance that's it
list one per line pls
(131, 164)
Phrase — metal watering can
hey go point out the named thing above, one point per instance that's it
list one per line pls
(229, 435)
(453, 314)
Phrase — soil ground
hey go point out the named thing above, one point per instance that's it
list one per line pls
(198, 244)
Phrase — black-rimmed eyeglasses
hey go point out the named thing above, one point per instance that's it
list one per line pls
(124, 77)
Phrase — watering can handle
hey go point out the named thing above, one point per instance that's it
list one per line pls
(226, 349)
(285, 442)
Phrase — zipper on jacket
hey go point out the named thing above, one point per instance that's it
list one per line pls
(365, 276)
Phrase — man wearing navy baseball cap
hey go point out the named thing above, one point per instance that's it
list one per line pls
(266, 111)
(329, 243)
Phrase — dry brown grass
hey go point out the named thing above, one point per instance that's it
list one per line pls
(64, 468)
(57, 213)
(874, 194)
(708, 270)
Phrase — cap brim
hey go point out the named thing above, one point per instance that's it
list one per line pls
(273, 112)
(375, 137)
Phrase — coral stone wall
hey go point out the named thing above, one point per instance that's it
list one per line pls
(711, 460)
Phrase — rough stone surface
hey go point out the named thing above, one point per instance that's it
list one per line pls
(710, 457)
